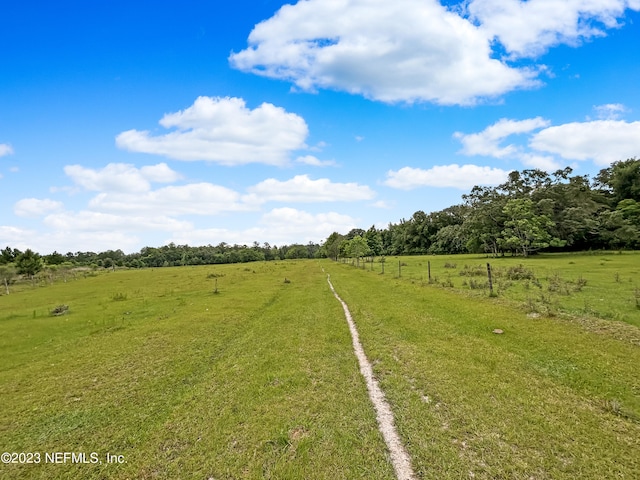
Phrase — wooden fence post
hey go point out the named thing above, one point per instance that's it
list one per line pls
(429, 269)
(490, 280)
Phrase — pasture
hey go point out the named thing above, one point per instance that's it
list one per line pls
(259, 380)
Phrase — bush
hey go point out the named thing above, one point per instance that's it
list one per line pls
(473, 271)
(520, 272)
(59, 310)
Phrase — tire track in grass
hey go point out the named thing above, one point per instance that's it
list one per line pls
(399, 456)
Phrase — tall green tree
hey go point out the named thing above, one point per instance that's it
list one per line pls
(29, 263)
(332, 245)
(621, 180)
(524, 230)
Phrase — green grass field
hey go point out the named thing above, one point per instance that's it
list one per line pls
(259, 380)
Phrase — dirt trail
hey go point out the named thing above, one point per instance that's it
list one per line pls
(399, 456)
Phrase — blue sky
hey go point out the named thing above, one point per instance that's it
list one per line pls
(132, 124)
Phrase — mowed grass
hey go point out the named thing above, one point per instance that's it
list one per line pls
(256, 381)
(549, 398)
(260, 381)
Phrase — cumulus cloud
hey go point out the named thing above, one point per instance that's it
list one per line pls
(192, 199)
(610, 111)
(418, 50)
(600, 141)
(603, 141)
(278, 226)
(541, 162)
(303, 189)
(400, 51)
(463, 177)
(88, 221)
(33, 207)
(488, 141)
(300, 226)
(314, 161)
(225, 131)
(5, 149)
(15, 236)
(120, 177)
(529, 28)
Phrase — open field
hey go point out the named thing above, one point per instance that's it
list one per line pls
(596, 284)
(259, 380)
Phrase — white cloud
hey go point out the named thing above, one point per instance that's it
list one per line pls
(302, 189)
(88, 221)
(400, 51)
(529, 28)
(603, 141)
(541, 162)
(33, 207)
(15, 237)
(95, 241)
(225, 131)
(381, 204)
(5, 149)
(463, 177)
(488, 141)
(120, 177)
(191, 199)
(314, 161)
(293, 225)
(279, 226)
(418, 50)
(45, 242)
(610, 111)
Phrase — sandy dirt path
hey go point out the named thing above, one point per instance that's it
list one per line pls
(399, 456)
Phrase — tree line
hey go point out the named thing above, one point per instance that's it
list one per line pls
(532, 211)
(14, 262)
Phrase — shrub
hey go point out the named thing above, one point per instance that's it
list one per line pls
(520, 272)
(59, 310)
(473, 271)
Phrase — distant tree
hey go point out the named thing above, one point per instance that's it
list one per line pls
(296, 251)
(354, 232)
(357, 248)
(332, 245)
(29, 263)
(449, 239)
(374, 240)
(621, 180)
(7, 255)
(6, 276)
(54, 258)
(524, 230)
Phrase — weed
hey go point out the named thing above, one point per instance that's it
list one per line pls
(119, 297)
(450, 265)
(447, 283)
(473, 271)
(59, 310)
(520, 272)
(580, 283)
(478, 285)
